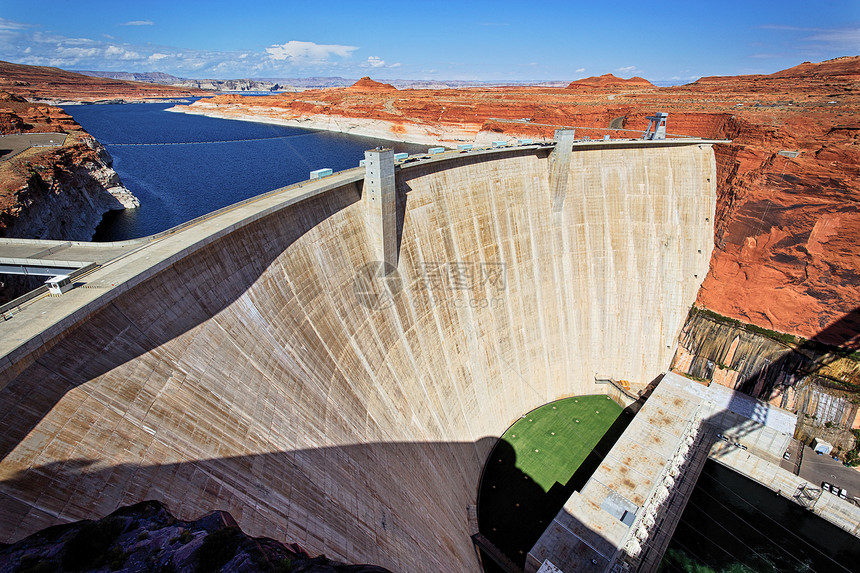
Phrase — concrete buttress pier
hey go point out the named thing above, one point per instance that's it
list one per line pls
(236, 363)
(380, 199)
(560, 167)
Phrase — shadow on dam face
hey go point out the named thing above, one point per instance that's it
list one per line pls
(513, 509)
(244, 374)
(336, 479)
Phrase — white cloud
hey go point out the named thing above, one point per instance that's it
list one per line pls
(139, 23)
(119, 53)
(75, 53)
(580, 70)
(10, 25)
(297, 52)
(845, 38)
(26, 44)
(377, 62)
(628, 70)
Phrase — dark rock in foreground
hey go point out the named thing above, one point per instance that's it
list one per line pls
(146, 537)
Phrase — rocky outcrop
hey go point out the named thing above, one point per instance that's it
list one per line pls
(368, 85)
(609, 82)
(17, 115)
(818, 381)
(65, 194)
(54, 192)
(147, 537)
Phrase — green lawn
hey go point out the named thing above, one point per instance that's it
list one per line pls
(538, 463)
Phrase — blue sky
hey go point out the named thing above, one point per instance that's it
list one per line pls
(467, 40)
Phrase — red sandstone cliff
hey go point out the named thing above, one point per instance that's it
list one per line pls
(366, 84)
(609, 82)
(788, 212)
(53, 192)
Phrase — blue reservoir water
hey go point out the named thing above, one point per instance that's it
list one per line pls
(184, 166)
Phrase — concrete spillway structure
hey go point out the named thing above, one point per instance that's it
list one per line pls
(258, 362)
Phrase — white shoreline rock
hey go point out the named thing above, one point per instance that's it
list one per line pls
(377, 128)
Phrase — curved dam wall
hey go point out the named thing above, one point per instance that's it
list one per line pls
(264, 368)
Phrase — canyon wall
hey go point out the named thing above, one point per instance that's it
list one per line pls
(809, 377)
(57, 193)
(53, 192)
(65, 195)
(261, 365)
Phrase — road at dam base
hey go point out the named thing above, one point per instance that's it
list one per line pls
(253, 374)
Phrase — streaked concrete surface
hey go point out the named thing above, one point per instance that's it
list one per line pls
(252, 362)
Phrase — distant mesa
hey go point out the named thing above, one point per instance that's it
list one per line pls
(367, 84)
(843, 68)
(609, 81)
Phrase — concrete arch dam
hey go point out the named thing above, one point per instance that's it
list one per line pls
(255, 361)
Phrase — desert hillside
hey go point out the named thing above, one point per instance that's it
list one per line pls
(789, 182)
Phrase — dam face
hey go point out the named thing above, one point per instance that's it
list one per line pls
(264, 367)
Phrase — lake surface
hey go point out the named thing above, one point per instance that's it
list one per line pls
(184, 166)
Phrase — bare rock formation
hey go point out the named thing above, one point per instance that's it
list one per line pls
(367, 84)
(609, 82)
(58, 192)
(46, 83)
(64, 193)
(147, 537)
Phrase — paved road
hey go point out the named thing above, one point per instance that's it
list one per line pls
(80, 251)
(817, 469)
(793, 463)
(12, 145)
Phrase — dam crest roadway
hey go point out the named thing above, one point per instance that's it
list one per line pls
(329, 362)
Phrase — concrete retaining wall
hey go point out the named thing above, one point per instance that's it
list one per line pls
(270, 373)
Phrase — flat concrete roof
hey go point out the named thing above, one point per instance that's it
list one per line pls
(635, 465)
